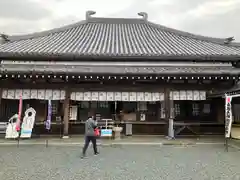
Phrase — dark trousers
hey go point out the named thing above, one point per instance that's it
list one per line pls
(87, 141)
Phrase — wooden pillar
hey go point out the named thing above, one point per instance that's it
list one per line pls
(169, 112)
(0, 95)
(167, 108)
(66, 113)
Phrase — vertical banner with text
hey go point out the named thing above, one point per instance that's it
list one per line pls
(228, 116)
(48, 122)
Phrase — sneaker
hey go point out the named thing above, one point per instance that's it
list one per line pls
(96, 153)
(83, 156)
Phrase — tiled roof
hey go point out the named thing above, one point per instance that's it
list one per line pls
(118, 68)
(118, 37)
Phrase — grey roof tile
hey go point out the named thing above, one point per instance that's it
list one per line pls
(101, 37)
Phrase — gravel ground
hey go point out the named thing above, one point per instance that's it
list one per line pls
(203, 162)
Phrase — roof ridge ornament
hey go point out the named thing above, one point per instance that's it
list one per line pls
(89, 14)
(144, 15)
(3, 38)
(229, 40)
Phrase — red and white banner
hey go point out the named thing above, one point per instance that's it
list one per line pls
(228, 116)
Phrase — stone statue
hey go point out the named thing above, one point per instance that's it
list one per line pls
(28, 123)
(11, 131)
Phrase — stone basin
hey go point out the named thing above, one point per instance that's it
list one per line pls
(117, 129)
(117, 132)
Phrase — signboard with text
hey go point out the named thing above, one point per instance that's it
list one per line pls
(106, 132)
(228, 116)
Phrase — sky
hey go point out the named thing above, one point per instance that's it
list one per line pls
(215, 18)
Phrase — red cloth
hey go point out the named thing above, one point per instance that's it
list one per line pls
(96, 132)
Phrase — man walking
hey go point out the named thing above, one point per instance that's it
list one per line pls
(90, 126)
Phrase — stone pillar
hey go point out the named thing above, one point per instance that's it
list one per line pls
(66, 113)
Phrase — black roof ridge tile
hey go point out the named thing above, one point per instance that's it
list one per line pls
(106, 20)
(192, 35)
(46, 32)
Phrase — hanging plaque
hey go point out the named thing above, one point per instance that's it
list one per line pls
(202, 95)
(196, 95)
(118, 96)
(63, 94)
(26, 94)
(189, 95)
(102, 96)
(79, 96)
(73, 96)
(161, 95)
(11, 94)
(176, 95)
(132, 96)
(87, 96)
(140, 96)
(95, 96)
(183, 95)
(56, 95)
(18, 93)
(154, 96)
(147, 96)
(41, 94)
(4, 94)
(33, 94)
(110, 96)
(125, 96)
(48, 94)
(171, 95)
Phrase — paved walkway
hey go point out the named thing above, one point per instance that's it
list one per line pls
(198, 162)
(133, 140)
(235, 143)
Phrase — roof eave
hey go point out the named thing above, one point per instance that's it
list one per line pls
(60, 57)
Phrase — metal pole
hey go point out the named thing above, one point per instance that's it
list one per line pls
(18, 140)
(19, 134)
(226, 144)
(46, 142)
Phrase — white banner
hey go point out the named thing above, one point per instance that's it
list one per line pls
(117, 96)
(43, 94)
(190, 95)
(228, 116)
